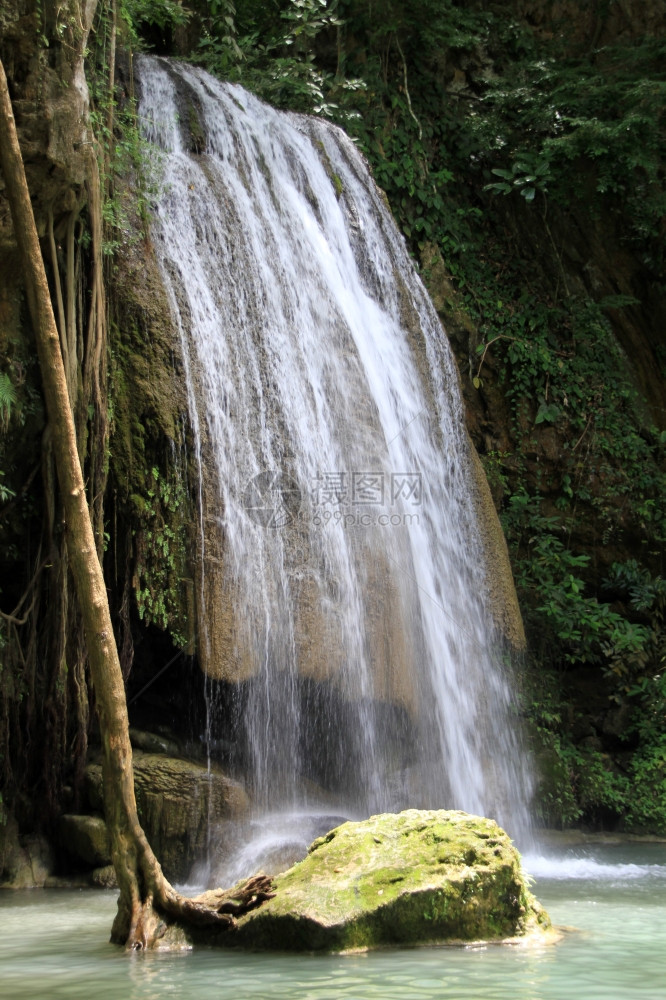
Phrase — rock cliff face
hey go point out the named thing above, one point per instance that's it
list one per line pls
(42, 47)
(595, 24)
(176, 799)
(598, 265)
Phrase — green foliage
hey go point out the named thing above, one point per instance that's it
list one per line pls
(527, 176)
(581, 628)
(646, 805)
(161, 554)
(645, 679)
(218, 48)
(126, 159)
(8, 399)
(582, 784)
(494, 468)
(5, 492)
(578, 783)
(604, 112)
(275, 56)
(628, 642)
(561, 366)
(138, 15)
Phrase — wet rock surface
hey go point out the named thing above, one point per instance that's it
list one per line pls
(175, 799)
(410, 878)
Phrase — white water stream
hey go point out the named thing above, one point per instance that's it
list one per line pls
(334, 464)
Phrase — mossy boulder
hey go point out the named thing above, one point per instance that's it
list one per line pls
(175, 800)
(411, 878)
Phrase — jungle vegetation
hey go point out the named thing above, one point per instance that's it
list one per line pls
(524, 161)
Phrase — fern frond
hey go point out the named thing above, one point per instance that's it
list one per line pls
(7, 398)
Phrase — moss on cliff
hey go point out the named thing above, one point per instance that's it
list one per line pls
(148, 443)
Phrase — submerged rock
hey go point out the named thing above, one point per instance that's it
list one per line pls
(411, 878)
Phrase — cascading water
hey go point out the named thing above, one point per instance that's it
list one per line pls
(342, 581)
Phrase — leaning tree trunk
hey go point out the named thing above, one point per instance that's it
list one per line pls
(146, 897)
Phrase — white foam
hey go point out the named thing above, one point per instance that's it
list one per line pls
(587, 868)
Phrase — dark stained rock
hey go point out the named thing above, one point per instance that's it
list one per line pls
(25, 862)
(176, 799)
(86, 839)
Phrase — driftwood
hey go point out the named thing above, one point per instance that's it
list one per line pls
(241, 898)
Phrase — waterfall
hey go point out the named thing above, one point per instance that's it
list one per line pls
(342, 580)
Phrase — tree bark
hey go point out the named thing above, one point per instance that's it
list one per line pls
(146, 897)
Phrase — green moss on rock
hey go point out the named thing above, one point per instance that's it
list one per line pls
(398, 879)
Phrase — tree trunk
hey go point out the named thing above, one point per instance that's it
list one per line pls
(146, 897)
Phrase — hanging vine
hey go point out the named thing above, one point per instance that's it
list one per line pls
(44, 687)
